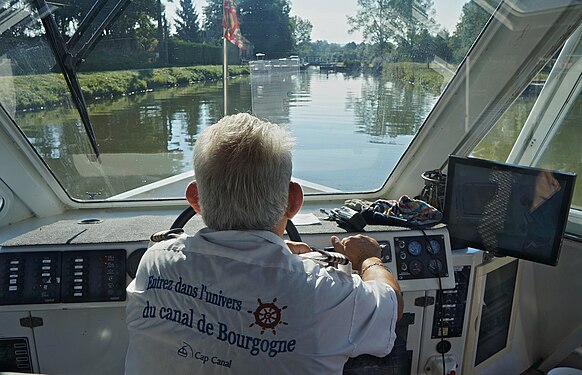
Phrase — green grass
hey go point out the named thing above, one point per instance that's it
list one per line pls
(414, 74)
(33, 92)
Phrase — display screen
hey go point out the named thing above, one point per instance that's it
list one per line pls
(507, 209)
(496, 311)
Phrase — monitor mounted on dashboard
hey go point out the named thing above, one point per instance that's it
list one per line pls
(507, 209)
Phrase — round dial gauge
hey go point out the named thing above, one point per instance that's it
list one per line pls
(435, 266)
(433, 247)
(414, 248)
(415, 267)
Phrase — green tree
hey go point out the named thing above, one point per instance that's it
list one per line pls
(267, 26)
(369, 19)
(212, 27)
(301, 34)
(421, 47)
(136, 24)
(162, 45)
(442, 47)
(71, 13)
(473, 19)
(386, 24)
(187, 22)
(327, 51)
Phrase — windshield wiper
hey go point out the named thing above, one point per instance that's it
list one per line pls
(10, 16)
(87, 38)
(66, 63)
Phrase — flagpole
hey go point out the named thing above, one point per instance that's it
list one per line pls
(231, 34)
(225, 74)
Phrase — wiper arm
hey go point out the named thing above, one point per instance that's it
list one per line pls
(66, 63)
(10, 16)
(97, 33)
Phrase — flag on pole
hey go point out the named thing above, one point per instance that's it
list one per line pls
(230, 24)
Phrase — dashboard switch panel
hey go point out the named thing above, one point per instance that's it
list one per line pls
(62, 277)
(28, 278)
(93, 276)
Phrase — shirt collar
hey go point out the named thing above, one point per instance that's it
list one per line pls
(225, 236)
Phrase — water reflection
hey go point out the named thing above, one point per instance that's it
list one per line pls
(272, 92)
(348, 136)
(350, 131)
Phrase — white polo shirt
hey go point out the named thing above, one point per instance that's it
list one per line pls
(240, 302)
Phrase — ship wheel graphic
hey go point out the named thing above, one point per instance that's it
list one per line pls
(268, 316)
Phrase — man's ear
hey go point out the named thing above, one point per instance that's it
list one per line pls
(295, 200)
(193, 197)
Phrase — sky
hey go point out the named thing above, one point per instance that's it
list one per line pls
(329, 16)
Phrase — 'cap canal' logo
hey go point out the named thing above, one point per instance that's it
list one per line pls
(185, 351)
(268, 316)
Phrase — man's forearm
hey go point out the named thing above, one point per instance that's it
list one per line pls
(373, 269)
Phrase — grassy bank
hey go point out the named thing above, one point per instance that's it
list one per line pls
(419, 74)
(48, 90)
(35, 92)
(430, 77)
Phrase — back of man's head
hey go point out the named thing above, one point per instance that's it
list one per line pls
(242, 167)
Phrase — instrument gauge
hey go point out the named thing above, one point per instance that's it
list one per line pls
(435, 266)
(414, 248)
(434, 247)
(415, 267)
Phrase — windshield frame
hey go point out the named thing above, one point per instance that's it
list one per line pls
(394, 181)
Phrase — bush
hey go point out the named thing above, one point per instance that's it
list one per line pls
(183, 53)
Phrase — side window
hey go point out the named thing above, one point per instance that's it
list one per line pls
(540, 128)
(562, 150)
(499, 142)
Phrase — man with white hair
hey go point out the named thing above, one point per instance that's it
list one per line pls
(235, 297)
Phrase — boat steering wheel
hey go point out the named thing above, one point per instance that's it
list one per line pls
(189, 212)
(323, 256)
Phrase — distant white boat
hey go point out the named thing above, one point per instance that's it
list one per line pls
(288, 64)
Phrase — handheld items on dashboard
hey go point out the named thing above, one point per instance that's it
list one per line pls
(346, 218)
(405, 212)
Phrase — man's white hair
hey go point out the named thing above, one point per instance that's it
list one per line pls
(242, 167)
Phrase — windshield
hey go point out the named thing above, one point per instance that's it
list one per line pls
(112, 94)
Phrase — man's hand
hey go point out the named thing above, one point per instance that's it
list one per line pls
(298, 247)
(357, 248)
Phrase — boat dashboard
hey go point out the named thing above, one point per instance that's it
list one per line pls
(90, 260)
(62, 291)
(85, 181)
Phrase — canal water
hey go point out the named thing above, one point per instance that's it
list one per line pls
(350, 130)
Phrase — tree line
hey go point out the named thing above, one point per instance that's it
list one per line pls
(393, 30)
